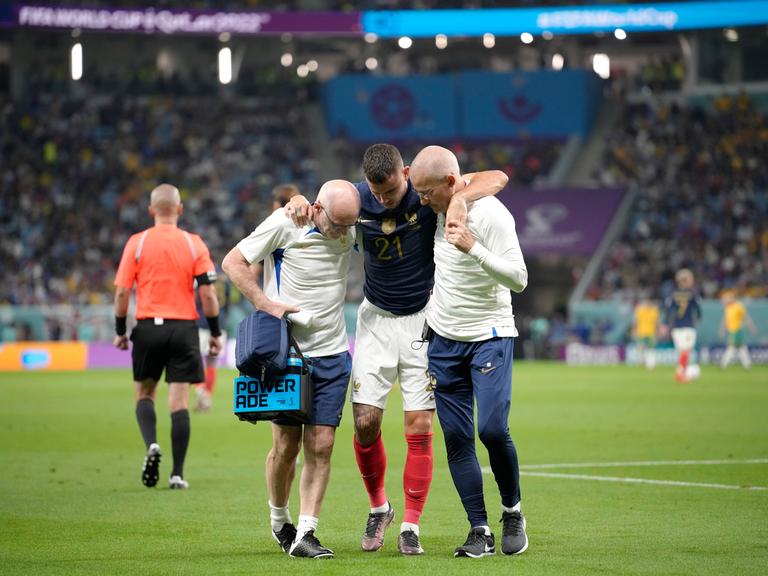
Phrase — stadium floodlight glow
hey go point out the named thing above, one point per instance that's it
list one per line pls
(76, 60)
(731, 34)
(404, 42)
(225, 65)
(489, 40)
(371, 38)
(441, 41)
(526, 37)
(601, 64)
(302, 71)
(224, 37)
(312, 65)
(620, 34)
(558, 61)
(371, 63)
(286, 59)
(547, 35)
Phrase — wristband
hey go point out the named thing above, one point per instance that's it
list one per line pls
(213, 324)
(120, 327)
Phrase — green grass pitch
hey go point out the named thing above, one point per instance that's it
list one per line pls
(72, 500)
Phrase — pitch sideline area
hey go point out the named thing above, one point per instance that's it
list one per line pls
(623, 472)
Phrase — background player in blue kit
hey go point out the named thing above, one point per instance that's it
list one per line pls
(682, 314)
(470, 353)
(397, 235)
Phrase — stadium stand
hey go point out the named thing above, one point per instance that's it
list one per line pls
(702, 198)
(69, 166)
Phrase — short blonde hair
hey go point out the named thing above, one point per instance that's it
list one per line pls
(684, 274)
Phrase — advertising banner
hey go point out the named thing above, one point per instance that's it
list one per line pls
(19, 356)
(561, 221)
(575, 19)
(391, 108)
(521, 104)
(173, 21)
(469, 105)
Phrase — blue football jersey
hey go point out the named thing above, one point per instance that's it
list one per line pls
(398, 250)
(682, 309)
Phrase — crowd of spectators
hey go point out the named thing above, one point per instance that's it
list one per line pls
(701, 181)
(527, 162)
(76, 176)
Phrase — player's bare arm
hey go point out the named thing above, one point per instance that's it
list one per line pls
(480, 184)
(239, 271)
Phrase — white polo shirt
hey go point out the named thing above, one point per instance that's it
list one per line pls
(471, 300)
(305, 268)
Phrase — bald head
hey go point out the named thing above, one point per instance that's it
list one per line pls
(165, 200)
(434, 175)
(435, 163)
(342, 201)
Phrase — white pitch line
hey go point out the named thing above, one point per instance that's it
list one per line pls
(641, 463)
(638, 480)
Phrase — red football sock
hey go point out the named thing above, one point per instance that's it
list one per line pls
(417, 475)
(683, 361)
(210, 378)
(372, 462)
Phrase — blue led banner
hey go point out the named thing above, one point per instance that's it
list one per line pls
(521, 104)
(473, 105)
(366, 108)
(567, 19)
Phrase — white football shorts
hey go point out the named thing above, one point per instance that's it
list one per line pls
(388, 348)
(684, 339)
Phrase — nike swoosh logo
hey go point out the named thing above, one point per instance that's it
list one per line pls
(365, 220)
(487, 369)
(410, 491)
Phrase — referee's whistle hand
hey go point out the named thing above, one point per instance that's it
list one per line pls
(121, 342)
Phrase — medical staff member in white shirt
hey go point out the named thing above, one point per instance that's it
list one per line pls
(470, 351)
(305, 276)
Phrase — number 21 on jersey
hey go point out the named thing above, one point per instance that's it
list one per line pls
(388, 249)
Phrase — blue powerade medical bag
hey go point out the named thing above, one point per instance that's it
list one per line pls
(274, 375)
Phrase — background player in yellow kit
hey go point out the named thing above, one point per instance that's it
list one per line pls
(735, 315)
(644, 331)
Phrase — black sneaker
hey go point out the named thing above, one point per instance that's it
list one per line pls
(285, 536)
(408, 543)
(150, 471)
(373, 537)
(514, 540)
(478, 544)
(309, 547)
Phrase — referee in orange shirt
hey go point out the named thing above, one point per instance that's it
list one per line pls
(165, 262)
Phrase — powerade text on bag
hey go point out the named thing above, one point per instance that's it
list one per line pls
(262, 391)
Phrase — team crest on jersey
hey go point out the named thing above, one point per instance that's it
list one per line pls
(388, 225)
(432, 382)
(412, 218)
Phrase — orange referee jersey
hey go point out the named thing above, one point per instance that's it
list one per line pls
(163, 261)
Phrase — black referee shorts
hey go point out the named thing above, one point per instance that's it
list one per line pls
(173, 345)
